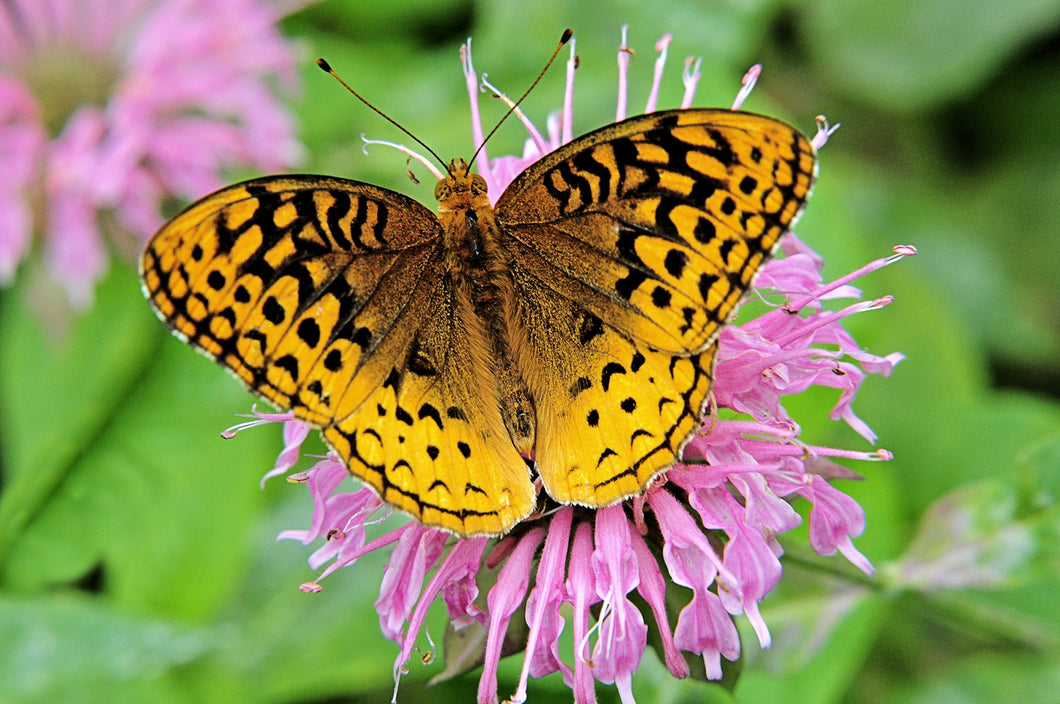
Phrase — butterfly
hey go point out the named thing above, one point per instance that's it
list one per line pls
(562, 339)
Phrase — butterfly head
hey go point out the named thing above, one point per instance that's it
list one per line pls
(460, 188)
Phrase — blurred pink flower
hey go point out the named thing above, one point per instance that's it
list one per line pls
(108, 109)
(711, 522)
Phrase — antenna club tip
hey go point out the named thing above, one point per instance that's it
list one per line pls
(324, 65)
(567, 34)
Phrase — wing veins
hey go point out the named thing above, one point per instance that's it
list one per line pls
(445, 357)
(376, 341)
(609, 295)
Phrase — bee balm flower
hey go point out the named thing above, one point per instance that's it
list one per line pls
(108, 109)
(711, 524)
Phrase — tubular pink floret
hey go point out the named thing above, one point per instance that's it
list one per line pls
(624, 56)
(504, 598)
(456, 565)
(566, 133)
(900, 252)
(662, 48)
(827, 319)
(823, 132)
(652, 586)
(535, 135)
(259, 419)
(294, 433)
(542, 606)
(410, 153)
(690, 77)
(748, 84)
(478, 136)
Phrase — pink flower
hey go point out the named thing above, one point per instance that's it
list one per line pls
(107, 109)
(710, 525)
(623, 634)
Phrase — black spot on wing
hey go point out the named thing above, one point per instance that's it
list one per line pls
(589, 327)
(429, 411)
(470, 488)
(610, 369)
(628, 284)
(216, 280)
(675, 263)
(333, 361)
(273, 311)
(661, 297)
(582, 383)
(288, 363)
(309, 332)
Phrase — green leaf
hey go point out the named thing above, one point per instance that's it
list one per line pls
(970, 538)
(138, 483)
(996, 677)
(60, 387)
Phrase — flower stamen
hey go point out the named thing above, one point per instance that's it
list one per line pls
(823, 132)
(747, 85)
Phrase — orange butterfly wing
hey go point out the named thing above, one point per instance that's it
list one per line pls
(630, 247)
(330, 297)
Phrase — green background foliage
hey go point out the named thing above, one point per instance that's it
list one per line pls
(137, 555)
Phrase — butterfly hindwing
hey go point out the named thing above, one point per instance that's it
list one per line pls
(430, 437)
(638, 241)
(611, 411)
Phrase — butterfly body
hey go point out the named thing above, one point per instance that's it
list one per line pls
(479, 269)
(569, 330)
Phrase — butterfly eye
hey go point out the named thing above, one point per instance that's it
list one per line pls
(478, 185)
(444, 189)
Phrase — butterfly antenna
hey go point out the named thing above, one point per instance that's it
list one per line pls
(567, 34)
(326, 67)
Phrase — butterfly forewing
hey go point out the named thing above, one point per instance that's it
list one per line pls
(663, 218)
(631, 246)
(274, 277)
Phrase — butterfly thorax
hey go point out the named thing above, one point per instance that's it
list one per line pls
(468, 225)
(479, 268)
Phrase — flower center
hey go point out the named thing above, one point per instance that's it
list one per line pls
(63, 78)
